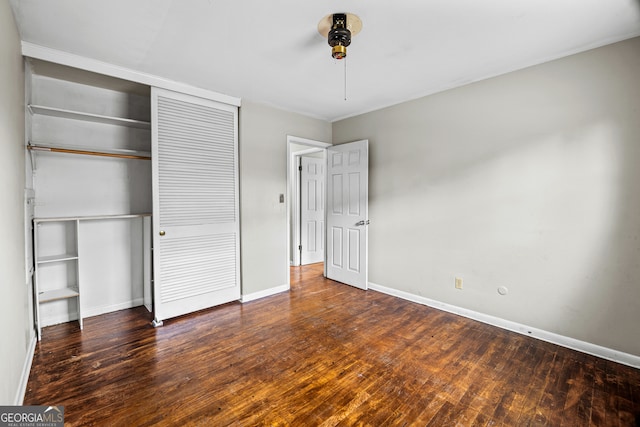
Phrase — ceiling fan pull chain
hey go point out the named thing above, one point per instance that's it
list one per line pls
(345, 78)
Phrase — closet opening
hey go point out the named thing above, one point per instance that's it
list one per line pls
(88, 193)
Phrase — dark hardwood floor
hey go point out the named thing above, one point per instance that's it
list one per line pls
(323, 354)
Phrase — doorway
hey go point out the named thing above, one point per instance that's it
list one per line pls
(297, 149)
(345, 202)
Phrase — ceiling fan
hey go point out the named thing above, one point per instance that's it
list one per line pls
(338, 28)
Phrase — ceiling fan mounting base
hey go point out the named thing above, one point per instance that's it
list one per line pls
(354, 24)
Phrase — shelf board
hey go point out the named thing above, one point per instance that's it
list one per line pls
(56, 258)
(90, 218)
(57, 294)
(89, 117)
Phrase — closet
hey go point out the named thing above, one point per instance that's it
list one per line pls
(115, 168)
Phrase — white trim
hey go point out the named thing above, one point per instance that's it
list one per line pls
(93, 311)
(293, 211)
(308, 151)
(306, 141)
(58, 319)
(264, 293)
(97, 311)
(26, 369)
(561, 340)
(60, 57)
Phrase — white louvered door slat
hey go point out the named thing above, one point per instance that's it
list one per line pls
(195, 196)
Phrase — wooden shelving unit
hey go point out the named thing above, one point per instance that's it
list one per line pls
(69, 228)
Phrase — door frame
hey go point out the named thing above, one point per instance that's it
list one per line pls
(292, 199)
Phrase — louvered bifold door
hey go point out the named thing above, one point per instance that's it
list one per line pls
(195, 203)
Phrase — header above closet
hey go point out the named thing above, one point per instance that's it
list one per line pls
(35, 51)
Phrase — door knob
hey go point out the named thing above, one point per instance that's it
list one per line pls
(363, 222)
(161, 232)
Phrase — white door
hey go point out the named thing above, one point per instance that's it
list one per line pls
(347, 210)
(195, 203)
(311, 210)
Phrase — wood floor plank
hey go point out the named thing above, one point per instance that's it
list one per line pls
(505, 400)
(323, 354)
(599, 396)
(537, 367)
(553, 396)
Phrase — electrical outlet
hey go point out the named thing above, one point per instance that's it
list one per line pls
(458, 282)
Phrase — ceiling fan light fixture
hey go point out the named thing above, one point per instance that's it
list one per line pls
(338, 51)
(338, 28)
(339, 36)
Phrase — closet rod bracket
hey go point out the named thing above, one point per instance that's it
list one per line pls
(32, 157)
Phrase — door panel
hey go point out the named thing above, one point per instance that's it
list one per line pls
(195, 204)
(336, 187)
(354, 250)
(312, 180)
(336, 254)
(347, 198)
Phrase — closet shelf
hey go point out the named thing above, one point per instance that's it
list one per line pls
(57, 294)
(56, 258)
(89, 218)
(112, 152)
(89, 117)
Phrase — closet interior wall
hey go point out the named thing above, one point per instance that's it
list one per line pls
(111, 251)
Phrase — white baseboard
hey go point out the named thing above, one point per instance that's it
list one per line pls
(96, 311)
(561, 340)
(265, 293)
(90, 312)
(26, 369)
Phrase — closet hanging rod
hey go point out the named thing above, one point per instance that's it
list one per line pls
(85, 152)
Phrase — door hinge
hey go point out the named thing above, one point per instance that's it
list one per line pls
(299, 247)
(300, 168)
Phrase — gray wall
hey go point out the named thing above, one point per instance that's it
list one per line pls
(263, 177)
(529, 180)
(14, 304)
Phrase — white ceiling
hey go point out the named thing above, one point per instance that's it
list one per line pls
(270, 51)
